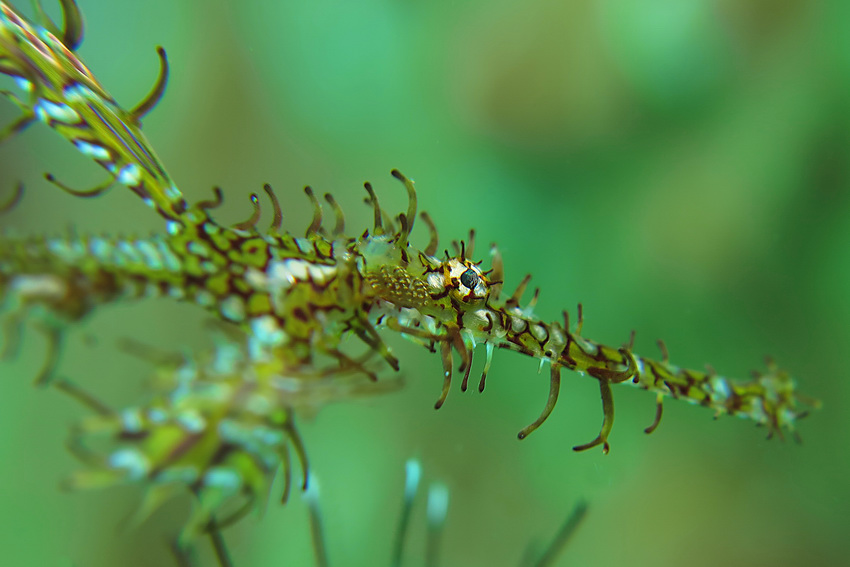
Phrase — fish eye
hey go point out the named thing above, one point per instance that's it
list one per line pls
(466, 284)
(469, 278)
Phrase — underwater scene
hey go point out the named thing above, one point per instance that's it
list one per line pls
(180, 358)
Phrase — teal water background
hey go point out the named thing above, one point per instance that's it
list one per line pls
(682, 168)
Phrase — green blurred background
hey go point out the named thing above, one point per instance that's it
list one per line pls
(679, 166)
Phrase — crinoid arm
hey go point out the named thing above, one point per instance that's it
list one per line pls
(203, 431)
(218, 426)
(64, 95)
(33, 290)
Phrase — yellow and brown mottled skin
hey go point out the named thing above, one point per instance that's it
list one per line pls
(302, 297)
